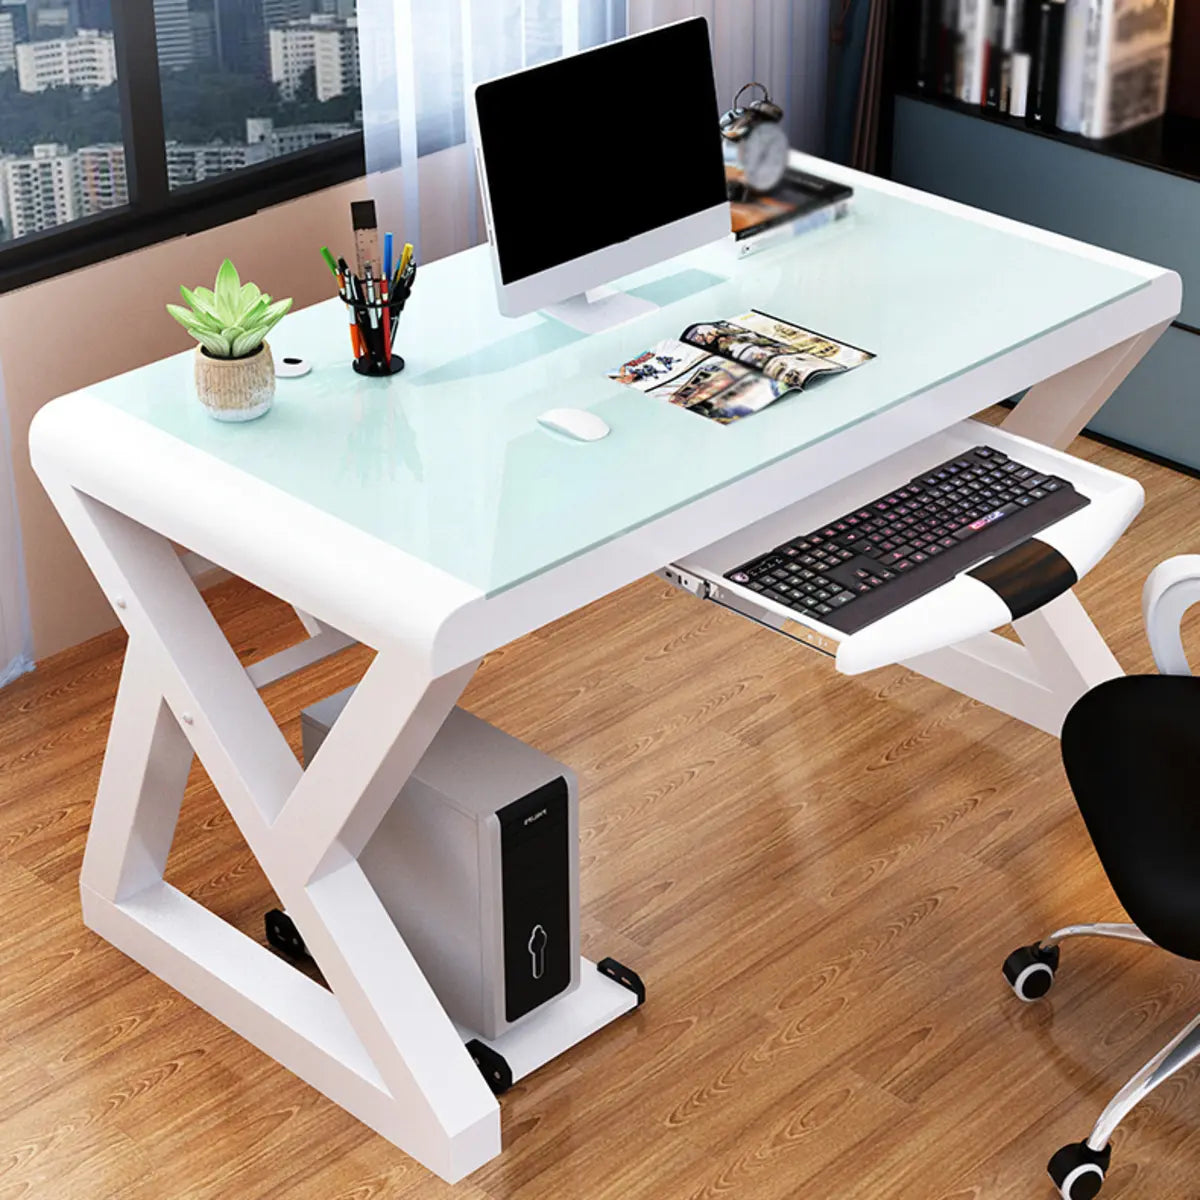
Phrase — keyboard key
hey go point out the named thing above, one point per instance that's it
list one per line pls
(841, 599)
(986, 520)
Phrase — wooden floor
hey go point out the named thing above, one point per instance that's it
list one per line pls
(818, 878)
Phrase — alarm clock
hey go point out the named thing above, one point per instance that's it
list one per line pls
(755, 141)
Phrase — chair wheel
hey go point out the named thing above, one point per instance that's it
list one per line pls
(1078, 1170)
(1030, 971)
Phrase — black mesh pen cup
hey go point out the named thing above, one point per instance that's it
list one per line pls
(376, 324)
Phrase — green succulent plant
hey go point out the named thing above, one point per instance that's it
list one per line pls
(232, 320)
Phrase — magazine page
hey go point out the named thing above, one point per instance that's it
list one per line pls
(785, 352)
(703, 383)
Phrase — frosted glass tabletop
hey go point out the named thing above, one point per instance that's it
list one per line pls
(446, 462)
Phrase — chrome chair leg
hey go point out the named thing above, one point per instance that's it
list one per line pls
(1125, 933)
(1079, 1169)
(1173, 1057)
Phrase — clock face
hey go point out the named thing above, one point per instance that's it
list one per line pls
(764, 155)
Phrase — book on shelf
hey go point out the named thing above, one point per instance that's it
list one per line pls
(1045, 39)
(1126, 64)
(1184, 95)
(973, 22)
(949, 60)
(1074, 54)
(993, 73)
(1090, 67)
(928, 45)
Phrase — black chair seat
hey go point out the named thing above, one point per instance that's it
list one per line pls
(1131, 748)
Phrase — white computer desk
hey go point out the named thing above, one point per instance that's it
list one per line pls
(430, 518)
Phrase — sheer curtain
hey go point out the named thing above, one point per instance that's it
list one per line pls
(421, 58)
(16, 656)
(780, 43)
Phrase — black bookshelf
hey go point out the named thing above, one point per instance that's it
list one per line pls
(1170, 144)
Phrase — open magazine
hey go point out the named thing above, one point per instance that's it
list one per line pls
(726, 370)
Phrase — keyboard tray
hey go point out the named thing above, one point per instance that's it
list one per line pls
(1007, 587)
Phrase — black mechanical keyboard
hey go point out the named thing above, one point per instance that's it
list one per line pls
(872, 561)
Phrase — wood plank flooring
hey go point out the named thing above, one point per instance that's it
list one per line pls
(818, 878)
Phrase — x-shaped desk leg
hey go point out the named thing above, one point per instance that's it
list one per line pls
(1061, 654)
(379, 1044)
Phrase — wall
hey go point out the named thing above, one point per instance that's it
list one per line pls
(1135, 210)
(278, 248)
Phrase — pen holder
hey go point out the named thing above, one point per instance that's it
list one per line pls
(373, 348)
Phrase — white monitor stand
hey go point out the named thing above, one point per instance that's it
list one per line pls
(599, 308)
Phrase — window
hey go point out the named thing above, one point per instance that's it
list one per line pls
(245, 81)
(62, 155)
(123, 122)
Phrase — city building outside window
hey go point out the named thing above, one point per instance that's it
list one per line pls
(90, 146)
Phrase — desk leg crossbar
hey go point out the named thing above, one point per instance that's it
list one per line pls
(379, 1043)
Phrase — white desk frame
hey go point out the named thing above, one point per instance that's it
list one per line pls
(379, 1044)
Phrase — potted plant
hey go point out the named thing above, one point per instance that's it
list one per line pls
(235, 373)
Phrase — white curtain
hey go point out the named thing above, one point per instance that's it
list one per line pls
(780, 43)
(420, 58)
(16, 655)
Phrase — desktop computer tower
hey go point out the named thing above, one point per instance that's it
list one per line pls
(477, 862)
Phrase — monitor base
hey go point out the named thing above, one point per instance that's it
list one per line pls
(599, 309)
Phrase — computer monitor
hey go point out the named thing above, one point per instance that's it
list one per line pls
(597, 165)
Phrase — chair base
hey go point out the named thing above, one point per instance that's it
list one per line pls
(1078, 1170)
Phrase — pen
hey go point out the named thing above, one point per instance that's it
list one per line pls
(329, 260)
(405, 258)
(347, 299)
(371, 296)
(386, 314)
(389, 245)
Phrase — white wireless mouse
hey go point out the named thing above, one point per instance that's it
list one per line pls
(575, 423)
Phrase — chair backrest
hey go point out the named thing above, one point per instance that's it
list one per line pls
(1172, 588)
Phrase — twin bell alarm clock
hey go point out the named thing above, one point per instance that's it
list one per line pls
(755, 141)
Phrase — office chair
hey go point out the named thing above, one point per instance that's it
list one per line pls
(1131, 749)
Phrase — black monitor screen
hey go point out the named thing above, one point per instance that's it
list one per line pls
(592, 150)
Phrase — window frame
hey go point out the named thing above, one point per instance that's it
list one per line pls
(155, 213)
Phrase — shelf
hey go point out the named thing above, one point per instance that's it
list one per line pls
(1170, 144)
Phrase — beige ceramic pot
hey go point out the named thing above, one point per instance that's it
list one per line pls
(236, 389)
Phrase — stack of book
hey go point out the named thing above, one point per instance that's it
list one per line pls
(1093, 67)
